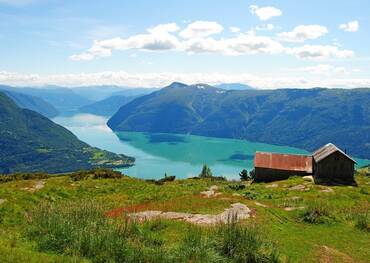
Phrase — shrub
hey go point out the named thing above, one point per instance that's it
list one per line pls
(80, 175)
(106, 174)
(317, 212)
(236, 187)
(23, 176)
(250, 195)
(97, 173)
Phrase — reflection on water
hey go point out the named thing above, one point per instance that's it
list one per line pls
(168, 138)
(198, 150)
(180, 155)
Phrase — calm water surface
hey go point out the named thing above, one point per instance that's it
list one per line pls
(180, 155)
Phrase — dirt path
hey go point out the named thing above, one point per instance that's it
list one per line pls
(237, 212)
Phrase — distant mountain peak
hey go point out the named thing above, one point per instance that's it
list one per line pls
(177, 85)
(202, 86)
(235, 86)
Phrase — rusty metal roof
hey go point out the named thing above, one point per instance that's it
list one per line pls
(286, 162)
(326, 151)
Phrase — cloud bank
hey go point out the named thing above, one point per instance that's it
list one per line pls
(199, 37)
(122, 78)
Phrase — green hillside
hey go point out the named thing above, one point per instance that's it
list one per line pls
(304, 118)
(32, 103)
(82, 217)
(31, 142)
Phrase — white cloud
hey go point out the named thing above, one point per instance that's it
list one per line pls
(204, 45)
(265, 13)
(165, 78)
(200, 29)
(241, 45)
(158, 38)
(319, 52)
(164, 28)
(251, 44)
(155, 42)
(234, 29)
(304, 32)
(352, 26)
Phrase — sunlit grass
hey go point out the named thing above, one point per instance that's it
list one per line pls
(293, 237)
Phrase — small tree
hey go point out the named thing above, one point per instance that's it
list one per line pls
(244, 176)
(252, 174)
(206, 172)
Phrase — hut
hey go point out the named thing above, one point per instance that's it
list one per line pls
(273, 166)
(331, 165)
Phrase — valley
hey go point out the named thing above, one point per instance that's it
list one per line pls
(174, 154)
(184, 131)
(30, 142)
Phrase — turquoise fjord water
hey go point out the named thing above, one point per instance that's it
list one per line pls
(179, 155)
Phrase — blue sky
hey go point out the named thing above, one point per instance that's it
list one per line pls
(268, 44)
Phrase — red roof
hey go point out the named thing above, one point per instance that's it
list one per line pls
(286, 162)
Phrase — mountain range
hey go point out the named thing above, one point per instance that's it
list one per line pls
(108, 106)
(30, 142)
(111, 104)
(32, 103)
(304, 118)
(54, 100)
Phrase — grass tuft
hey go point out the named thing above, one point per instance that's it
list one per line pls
(81, 229)
(317, 212)
(245, 243)
(362, 221)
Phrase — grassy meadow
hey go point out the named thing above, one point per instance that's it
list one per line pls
(82, 217)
